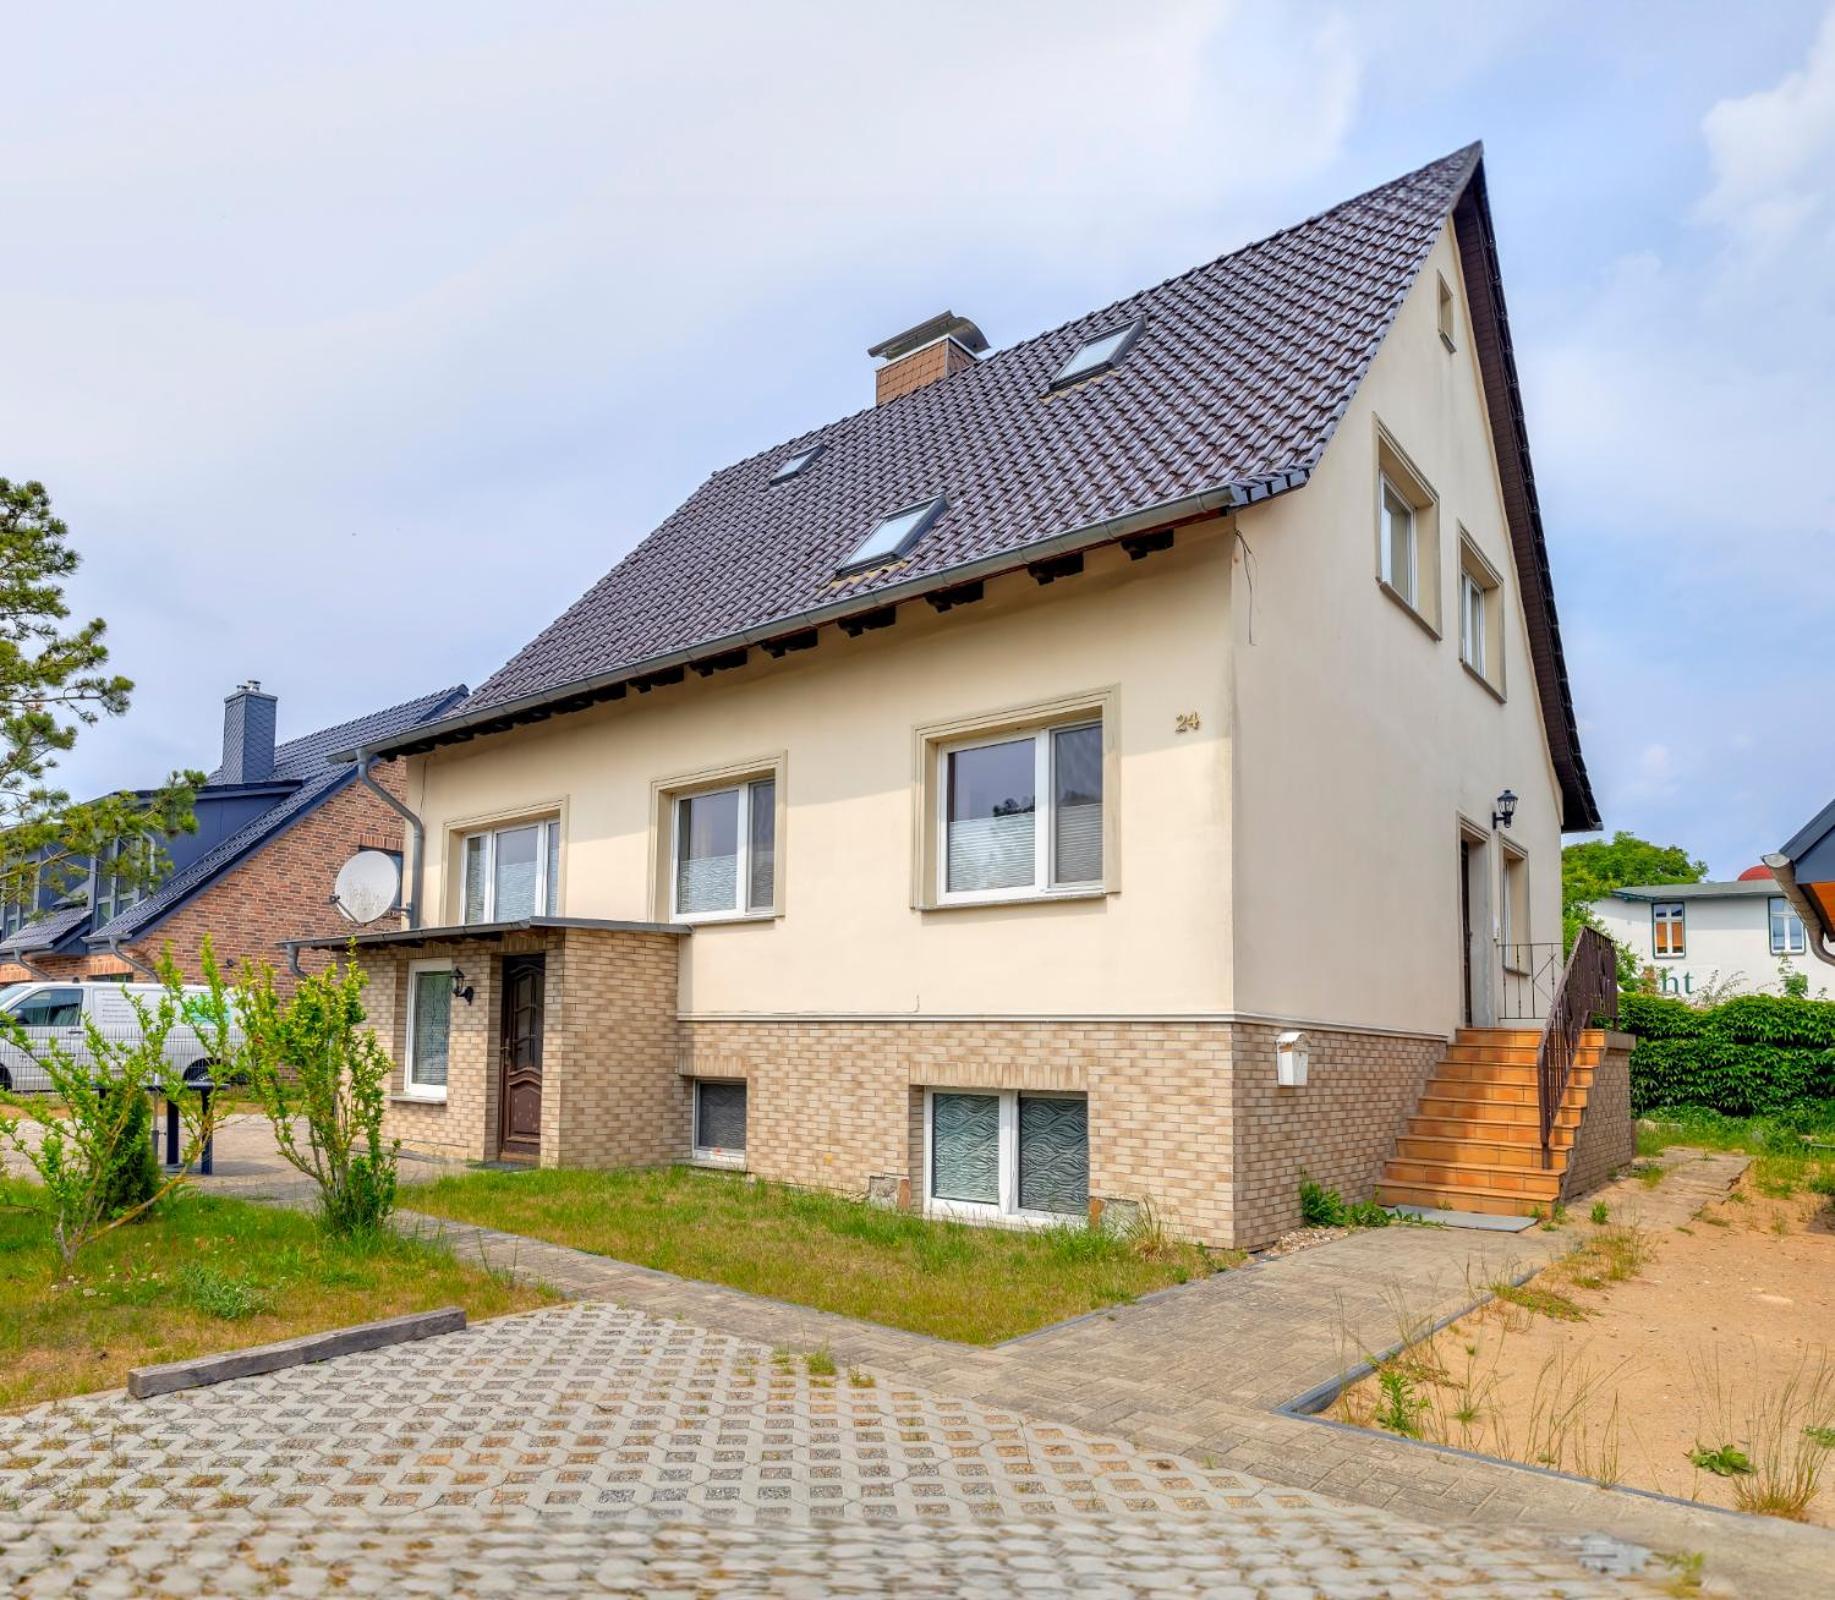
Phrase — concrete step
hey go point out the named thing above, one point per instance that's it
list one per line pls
(1513, 1055)
(1449, 1176)
(1434, 1198)
(1504, 1072)
(1492, 1093)
(1524, 1154)
(1521, 1038)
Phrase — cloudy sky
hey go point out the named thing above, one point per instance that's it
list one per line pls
(354, 342)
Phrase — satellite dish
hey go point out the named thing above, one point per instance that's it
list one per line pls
(367, 885)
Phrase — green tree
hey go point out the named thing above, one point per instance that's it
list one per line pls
(54, 679)
(1592, 870)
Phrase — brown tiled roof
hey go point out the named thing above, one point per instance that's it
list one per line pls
(1232, 391)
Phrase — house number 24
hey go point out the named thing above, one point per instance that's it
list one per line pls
(1185, 722)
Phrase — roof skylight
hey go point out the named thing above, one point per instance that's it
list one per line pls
(1098, 355)
(894, 535)
(793, 466)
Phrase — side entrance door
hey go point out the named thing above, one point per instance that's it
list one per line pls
(520, 1055)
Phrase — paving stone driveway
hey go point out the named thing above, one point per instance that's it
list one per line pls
(605, 1448)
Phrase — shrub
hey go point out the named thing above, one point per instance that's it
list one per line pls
(1327, 1208)
(1758, 1055)
(311, 1059)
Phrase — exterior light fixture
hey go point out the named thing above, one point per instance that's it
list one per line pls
(461, 990)
(1506, 809)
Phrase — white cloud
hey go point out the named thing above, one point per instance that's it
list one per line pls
(1773, 153)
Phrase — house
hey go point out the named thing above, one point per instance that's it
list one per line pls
(1099, 774)
(275, 821)
(1804, 871)
(1698, 936)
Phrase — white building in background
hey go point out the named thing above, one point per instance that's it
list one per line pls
(1697, 935)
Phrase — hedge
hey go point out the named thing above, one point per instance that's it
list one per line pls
(1755, 1056)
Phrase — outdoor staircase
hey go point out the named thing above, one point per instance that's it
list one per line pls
(1475, 1141)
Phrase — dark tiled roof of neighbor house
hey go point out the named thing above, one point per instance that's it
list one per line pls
(1230, 393)
(306, 761)
(43, 932)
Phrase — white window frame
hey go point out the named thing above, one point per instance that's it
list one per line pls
(716, 1155)
(409, 1088)
(1787, 948)
(1472, 641)
(744, 911)
(1411, 596)
(1006, 1211)
(1044, 838)
(1679, 920)
(546, 904)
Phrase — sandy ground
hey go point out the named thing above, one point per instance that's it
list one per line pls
(1694, 1350)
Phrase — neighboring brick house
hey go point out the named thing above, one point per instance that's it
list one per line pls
(275, 822)
(1105, 772)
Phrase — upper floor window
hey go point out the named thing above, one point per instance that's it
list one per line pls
(1446, 312)
(1401, 552)
(1481, 643)
(1407, 534)
(1787, 936)
(513, 872)
(725, 852)
(1668, 929)
(1021, 814)
(15, 914)
(117, 891)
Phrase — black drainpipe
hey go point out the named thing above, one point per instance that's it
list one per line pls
(416, 832)
(116, 949)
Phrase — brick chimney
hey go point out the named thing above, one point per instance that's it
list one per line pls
(935, 349)
(248, 735)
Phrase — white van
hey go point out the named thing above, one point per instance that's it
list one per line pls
(55, 1012)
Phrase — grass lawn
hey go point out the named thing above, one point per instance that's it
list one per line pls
(203, 1274)
(948, 1279)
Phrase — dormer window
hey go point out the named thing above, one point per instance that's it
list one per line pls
(1099, 355)
(892, 536)
(795, 466)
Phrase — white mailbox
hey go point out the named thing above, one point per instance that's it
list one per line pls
(1290, 1060)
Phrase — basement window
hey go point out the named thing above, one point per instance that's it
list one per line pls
(1098, 355)
(796, 465)
(719, 1121)
(1005, 1156)
(892, 536)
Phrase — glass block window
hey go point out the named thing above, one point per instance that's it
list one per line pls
(1007, 1154)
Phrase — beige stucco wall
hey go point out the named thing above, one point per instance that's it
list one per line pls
(842, 717)
(1361, 740)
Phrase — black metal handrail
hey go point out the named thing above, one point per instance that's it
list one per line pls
(1528, 976)
(1588, 989)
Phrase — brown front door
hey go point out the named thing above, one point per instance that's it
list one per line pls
(524, 983)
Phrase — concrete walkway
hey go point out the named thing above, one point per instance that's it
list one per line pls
(1202, 1369)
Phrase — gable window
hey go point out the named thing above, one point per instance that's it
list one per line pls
(1407, 535)
(1098, 354)
(719, 1121)
(1668, 929)
(794, 466)
(1021, 814)
(1401, 554)
(1446, 313)
(1787, 936)
(1481, 642)
(1007, 1155)
(429, 1029)
(725, 852)
(513, 872)
(892, 536)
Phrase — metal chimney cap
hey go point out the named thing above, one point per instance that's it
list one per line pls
(945, 324)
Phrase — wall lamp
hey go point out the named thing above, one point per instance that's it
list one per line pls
(1506, 809)
(461, 990)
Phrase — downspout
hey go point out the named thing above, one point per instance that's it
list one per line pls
(416, 831)
(30, 966)
(1785, 872)
(121, 954)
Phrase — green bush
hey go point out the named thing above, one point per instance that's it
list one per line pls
(1759, 1055)
(132, 1175)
